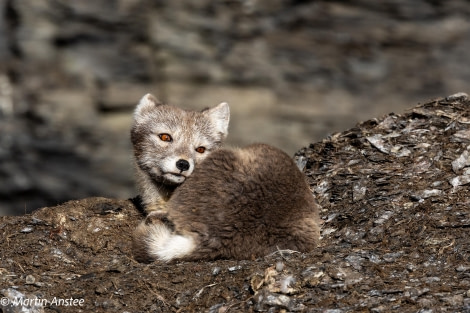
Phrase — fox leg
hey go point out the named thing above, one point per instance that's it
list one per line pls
(155, 205)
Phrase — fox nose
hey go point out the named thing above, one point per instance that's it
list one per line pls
(182, 165)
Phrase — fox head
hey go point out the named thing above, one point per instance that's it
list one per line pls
(169, 142)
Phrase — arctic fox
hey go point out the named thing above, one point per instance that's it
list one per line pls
(169, 143)
(237, 204)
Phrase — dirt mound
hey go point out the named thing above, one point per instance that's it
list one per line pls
(395, 198)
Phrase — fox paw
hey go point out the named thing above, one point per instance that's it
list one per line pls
(156, 217)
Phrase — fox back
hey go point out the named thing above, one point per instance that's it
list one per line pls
(170, 142)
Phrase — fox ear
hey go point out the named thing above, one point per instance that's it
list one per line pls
(220, 117)
(147, 103)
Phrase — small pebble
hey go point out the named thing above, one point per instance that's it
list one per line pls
(216, 271)
(462, 161)
(460, 180)
(27, 229)
(457, 96)
(30, 280)
(301, 162)
(279, 266)
(234, 268)
(462, 268)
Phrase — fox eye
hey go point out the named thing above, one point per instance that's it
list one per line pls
(165, 137)
(200, 149)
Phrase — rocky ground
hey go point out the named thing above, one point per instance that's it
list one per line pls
(395, 202)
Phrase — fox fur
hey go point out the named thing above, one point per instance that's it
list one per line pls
(237, 204)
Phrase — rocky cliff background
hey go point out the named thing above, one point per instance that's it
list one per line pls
(292, 70)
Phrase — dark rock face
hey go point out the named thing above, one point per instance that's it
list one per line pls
(395, 204)
(292, 71)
